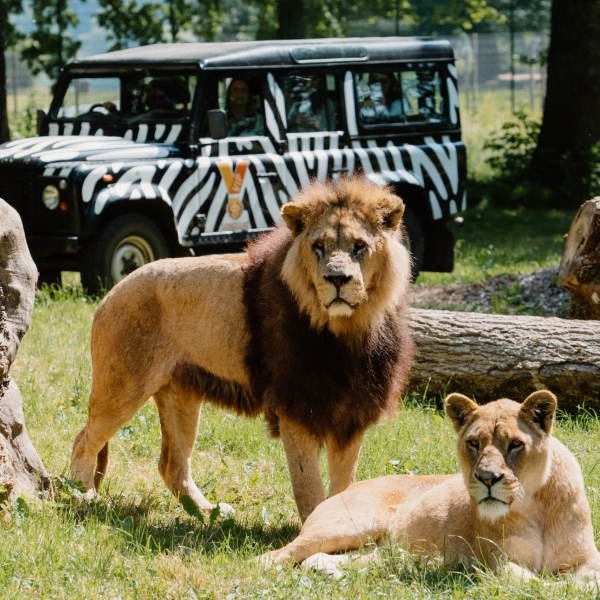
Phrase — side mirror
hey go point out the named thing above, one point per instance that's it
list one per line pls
(40, 118)
(217, 124)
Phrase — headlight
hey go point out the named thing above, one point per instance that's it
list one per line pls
(50, 197)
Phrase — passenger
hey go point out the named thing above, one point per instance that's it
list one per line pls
(242, 117)
(312, 110)
(384, 102)
(167, 94)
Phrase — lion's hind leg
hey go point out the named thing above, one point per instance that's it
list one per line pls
(179, 414)
(90, 449)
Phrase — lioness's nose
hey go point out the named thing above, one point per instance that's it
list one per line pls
(338, 280)
(488, 478)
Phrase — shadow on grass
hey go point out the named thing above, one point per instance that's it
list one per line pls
(144, 532)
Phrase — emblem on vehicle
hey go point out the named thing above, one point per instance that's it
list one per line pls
(234, 182)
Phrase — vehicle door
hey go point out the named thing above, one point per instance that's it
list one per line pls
(241, 178)
(311, 113)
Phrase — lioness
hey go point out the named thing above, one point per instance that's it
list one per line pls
(308, 328)
(520, 498)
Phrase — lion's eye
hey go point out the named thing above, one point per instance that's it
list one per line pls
(359, 246)
(515, 444)
(473, 444)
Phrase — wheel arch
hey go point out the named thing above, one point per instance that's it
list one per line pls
(155, 209)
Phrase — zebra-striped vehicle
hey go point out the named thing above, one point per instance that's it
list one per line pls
(192, 148)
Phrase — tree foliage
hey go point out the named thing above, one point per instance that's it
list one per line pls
(50, 46)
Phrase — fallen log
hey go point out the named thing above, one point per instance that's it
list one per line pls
(492, 356)
(580, 265)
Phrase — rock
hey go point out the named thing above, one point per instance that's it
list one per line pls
(21, 469)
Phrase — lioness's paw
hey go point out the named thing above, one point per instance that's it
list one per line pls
(326, 564)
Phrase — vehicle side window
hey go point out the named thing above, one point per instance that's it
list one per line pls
(145, 96)
(241, 97)
(404, 96)
(85, 95)
(311, 102)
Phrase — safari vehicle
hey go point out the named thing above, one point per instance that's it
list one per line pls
(192, 148)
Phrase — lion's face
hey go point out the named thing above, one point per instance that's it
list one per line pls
(503, 449)
(346, 261)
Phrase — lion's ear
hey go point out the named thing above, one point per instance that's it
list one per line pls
(459, 408)
(392, 210)
(540, 409)
(294, 217)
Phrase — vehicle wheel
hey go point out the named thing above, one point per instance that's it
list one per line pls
(414, 241)
(124, 245)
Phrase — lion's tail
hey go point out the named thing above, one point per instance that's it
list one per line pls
(101, 464)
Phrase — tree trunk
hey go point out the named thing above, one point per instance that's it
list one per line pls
(21, 470)
(580, 265)
(4, 130)
(494, 356)
(564, 156)
(292, 20)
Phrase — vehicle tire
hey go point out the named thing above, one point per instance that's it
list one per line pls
(414, 241)
(125, 244)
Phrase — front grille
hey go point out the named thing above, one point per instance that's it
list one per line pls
(17, 187)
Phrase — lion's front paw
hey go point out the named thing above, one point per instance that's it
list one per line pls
(225, 509)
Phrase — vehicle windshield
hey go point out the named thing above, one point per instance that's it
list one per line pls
(143, 95)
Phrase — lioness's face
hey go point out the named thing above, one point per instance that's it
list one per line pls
(346, 249)
(503, 449)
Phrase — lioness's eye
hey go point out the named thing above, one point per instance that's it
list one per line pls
(474, 444)
(515, 444)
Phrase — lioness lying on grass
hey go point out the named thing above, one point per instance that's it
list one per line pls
(519, 502)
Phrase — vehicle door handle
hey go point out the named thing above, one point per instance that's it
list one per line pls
(267, 175)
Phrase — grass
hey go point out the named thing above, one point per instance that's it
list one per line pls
(494, 241)
(135, 541)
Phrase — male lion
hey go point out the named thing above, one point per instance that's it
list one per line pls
(309, 328)
(519, 502)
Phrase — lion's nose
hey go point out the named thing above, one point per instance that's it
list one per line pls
(488, 478)
(338, 280)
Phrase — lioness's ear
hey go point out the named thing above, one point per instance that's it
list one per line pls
(458, 408)
(540, 408)
(392, 210)
(293, 215)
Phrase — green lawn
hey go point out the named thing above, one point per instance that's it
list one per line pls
(137, 542)
(494, 241)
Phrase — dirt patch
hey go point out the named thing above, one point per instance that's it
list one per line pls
(536, 293)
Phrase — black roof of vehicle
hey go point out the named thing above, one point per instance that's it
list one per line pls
(276, 53)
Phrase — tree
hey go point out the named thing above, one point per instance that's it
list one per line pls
(50, 46)
(127, 21)
(8, 38)
(567, 151)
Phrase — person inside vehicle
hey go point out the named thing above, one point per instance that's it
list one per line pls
(384, 101)
(170, 94)
(312, 109)
(243, 119)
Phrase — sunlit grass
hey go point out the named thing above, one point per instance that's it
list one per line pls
(135, 541)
